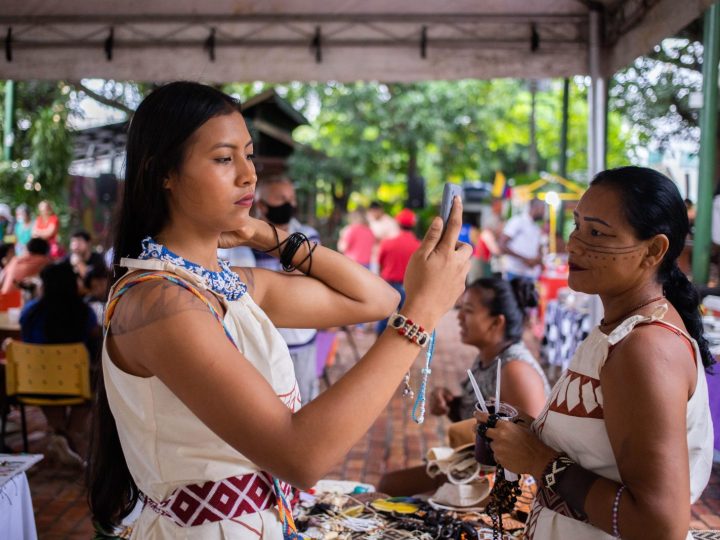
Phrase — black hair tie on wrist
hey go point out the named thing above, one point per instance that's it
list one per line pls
(292, 245)
(278, 243)
(309, 256)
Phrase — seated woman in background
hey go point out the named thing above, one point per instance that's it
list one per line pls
(59, 315)
(492, 318)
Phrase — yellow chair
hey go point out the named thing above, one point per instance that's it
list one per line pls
(55, 375)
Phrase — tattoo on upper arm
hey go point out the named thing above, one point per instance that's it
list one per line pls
(151, 302)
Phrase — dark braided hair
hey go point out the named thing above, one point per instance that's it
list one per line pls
(508, 298)
(652, 205)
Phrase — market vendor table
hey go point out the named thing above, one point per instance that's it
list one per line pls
(17, 519)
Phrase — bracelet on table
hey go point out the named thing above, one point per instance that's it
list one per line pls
(615, 512)
(409, 329)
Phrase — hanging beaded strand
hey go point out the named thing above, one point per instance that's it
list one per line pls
(407, 391)
(420, 401)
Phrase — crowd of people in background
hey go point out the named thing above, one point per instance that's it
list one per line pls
(33, 258)
(63, 290)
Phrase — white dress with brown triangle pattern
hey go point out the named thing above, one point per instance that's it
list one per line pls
(572, 422)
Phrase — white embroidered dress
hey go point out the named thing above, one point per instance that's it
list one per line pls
(572, 422)
(166, 446)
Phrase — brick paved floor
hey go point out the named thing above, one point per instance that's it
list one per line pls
(394, 441)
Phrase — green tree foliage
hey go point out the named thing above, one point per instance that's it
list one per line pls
(654, 92)
(364, 139)
(42, 150)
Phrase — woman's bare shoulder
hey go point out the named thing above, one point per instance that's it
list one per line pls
(150, 302)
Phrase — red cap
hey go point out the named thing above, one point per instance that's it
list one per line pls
(406, 218)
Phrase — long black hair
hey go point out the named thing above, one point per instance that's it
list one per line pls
(652, 205)
(508, 298)
(66, 315)
(157, 138)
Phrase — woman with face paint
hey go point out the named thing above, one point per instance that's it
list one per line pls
(625, 443)
(197, 412)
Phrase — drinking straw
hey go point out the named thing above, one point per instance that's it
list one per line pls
(478, 394)
(497, 389)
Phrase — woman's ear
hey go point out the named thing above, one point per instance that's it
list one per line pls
(656, 249)
(500, 321)
(169, 181)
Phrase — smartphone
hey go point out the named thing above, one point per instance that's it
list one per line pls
(449, 192)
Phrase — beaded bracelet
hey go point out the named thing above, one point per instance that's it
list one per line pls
(408, 329)
(615, 511)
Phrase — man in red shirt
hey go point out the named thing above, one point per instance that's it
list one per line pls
(395, 253)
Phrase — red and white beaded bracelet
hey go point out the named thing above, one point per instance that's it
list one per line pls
(409, 329)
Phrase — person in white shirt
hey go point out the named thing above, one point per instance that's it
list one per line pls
(521, 242)
(276, 203)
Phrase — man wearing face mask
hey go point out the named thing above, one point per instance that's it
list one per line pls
(275, 202)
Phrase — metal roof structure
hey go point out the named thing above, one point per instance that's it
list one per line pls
(340, 40)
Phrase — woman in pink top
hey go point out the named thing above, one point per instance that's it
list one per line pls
(357, 239)
(46, 227)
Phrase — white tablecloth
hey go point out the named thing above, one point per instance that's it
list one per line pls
(17, 521)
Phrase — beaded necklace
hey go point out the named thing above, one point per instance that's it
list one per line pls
(407, 391)
(504, 493)
(225, 282)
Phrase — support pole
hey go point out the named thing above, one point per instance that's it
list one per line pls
(597, 100)
(708, 140)
(563, 150)
(564, 129)
(8, 135)
(597, 135)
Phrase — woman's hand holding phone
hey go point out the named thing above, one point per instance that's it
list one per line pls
(435, 277)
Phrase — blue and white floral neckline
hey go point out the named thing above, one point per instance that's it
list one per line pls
(225, 282)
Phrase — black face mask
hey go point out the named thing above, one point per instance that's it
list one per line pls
(280, 215)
